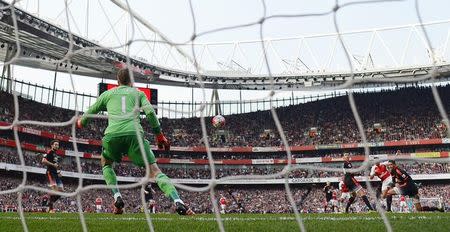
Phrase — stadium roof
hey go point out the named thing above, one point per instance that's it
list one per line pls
(43, 45)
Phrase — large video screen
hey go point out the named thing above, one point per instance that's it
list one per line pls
(152, 94)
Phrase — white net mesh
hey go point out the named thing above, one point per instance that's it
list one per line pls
(193, 64)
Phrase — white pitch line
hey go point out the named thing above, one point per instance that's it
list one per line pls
(227, 218)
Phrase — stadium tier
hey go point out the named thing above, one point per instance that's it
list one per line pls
(190, 169)
(256, 151)
(240, 198)
(307, 125)
(388, 116)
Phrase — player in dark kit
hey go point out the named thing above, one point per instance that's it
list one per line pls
(150, 203)
(53, 173)
(353, 185)
(44, 203)
(404, 185)
(148, 192)
(328, 195)
(45, 200)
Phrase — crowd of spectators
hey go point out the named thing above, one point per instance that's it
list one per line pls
(179, 171)
(408, 113)
(249, 198)
(96, 150)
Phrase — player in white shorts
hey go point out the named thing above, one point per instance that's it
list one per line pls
(380, 170)
(345, 195)
(223, 204)
(334, 202)
(403, 205)
(98, 204)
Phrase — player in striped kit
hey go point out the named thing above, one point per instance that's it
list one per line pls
(405, 185)
(353, 185)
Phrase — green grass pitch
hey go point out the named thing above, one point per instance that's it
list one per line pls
(366, 222)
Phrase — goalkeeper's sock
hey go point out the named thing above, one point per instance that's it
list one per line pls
(51, 199)
(367, 202)
(350, 202)
(389, 203)
(54, 198)
(167, 187)
(110, 178)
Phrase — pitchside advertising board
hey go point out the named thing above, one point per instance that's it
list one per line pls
(152, 94)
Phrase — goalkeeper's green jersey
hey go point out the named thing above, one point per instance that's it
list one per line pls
(120, 102)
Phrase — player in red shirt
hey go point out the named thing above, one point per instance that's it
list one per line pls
(334, 201)
(380, 170)
(98, 204)
(152, 206)
(346, 195)
(223, 204)
(403, 205)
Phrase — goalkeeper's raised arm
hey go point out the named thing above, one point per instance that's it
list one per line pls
(161, 140)
(124, 136)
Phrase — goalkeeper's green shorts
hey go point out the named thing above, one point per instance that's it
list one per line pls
(116, 147)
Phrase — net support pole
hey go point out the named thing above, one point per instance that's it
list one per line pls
(192, 102)
(215, 101)
(2, 77)
(240, 101)
(54, 86)
(7, 69)
(292, 97)
(87, 19)
(8, 79)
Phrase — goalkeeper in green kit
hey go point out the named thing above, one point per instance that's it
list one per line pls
(121, 138)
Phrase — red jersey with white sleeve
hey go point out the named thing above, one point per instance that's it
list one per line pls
(98, 201)
(152, 203)
(343, 187)
(223, 201)
(334, 195)
(402, 198)
(380, 171)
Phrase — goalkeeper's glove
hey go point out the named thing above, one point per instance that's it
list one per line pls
(162, 142)
(79, 125)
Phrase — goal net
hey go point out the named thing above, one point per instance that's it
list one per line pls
(189, 58)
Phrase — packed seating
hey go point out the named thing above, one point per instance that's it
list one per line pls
(92, 166)
(251, 199)
(409, 113)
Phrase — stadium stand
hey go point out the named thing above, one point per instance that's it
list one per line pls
(393, 111)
